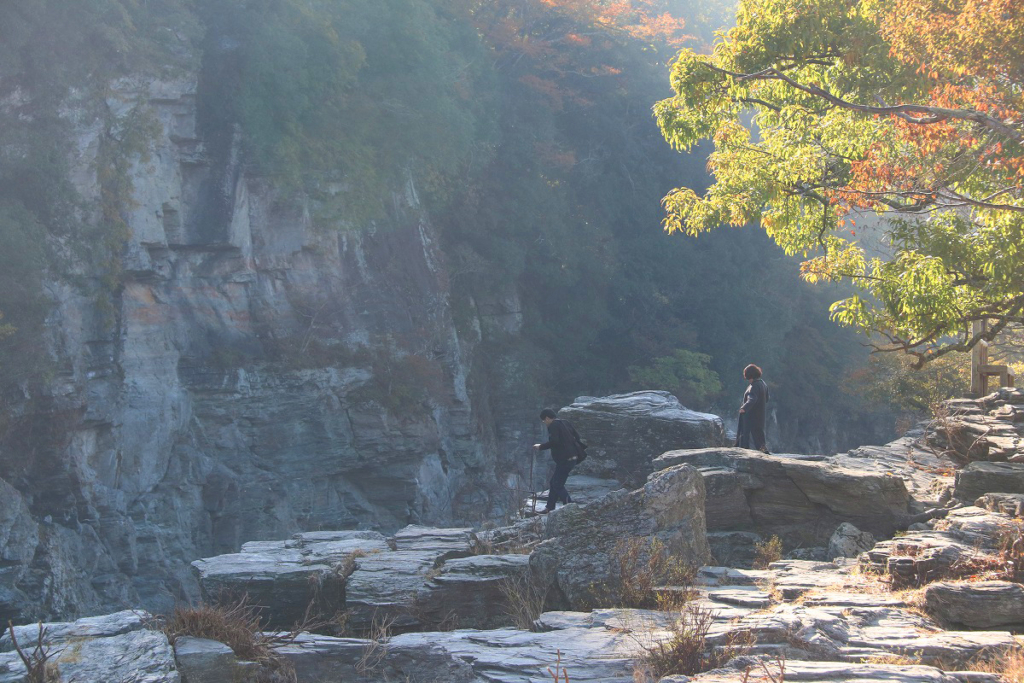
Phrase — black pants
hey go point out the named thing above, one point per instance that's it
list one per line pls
(750, 433)
(556, 489)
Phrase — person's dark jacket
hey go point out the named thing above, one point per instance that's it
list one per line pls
(755, 399)
(750, 431)
(562, 439)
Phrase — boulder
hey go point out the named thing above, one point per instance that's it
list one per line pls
(977, 604)
(446, 542)
(140, 656)
(421, 578)
(625, 432)
(849, 541)
(103, 626)
(924, 556)
(385, 588)
(396, 586)
(979, 478)
(576, 566)
(114, 647)
(802, 501)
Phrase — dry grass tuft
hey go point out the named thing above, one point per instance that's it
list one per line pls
(524, 600)
(766, 671)
(766, 552)
(377, 645)
(237, 625)
(1007, 663)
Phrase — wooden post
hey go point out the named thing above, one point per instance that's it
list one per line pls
(981, 369)
(979, 359)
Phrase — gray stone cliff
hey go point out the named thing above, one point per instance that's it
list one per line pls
(266, 370)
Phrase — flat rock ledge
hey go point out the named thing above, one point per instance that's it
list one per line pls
(977, 604)
(800, 500)
(287, 577)
(419, 579)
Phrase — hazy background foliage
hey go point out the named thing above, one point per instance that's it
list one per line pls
(526, 126)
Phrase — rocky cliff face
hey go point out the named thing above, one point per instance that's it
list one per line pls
(266, 370)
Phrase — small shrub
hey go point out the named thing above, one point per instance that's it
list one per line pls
(559, 674)
(687, 651)
(38, 667)
(766, 552)
(643, 565)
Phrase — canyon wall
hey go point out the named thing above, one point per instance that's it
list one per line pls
(264, 369)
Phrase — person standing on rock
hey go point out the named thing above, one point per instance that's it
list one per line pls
(566, 450)
(750, 430)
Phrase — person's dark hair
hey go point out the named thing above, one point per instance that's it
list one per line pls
(546, 413)
(751, 372)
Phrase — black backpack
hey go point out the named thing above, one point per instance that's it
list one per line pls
(580, 444)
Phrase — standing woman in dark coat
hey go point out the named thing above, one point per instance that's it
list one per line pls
(750, 431)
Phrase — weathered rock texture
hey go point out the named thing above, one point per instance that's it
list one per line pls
(289, 579)
(201, 660)
(264, 370)
(1007, 503)
(979, 478)
(977, 604)
(627, 431)
(115, 647)
(985, 429)
(577, 566)
(967, 535)
(422, 578)
(802, 501)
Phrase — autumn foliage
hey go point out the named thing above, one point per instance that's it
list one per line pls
(907, 113)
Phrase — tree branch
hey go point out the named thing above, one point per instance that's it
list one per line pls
(903, 111)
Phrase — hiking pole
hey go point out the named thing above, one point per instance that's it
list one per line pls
(533, 492)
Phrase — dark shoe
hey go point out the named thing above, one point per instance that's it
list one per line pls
(544, 511)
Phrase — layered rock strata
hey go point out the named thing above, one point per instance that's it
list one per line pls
(266, 368)
(356, 581)
(800, 500)
(577, 565)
